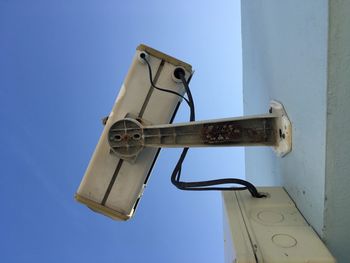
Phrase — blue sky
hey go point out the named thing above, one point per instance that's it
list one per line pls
(61, 66)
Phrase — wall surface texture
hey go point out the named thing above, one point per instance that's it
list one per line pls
(298, 52)
(337, 207)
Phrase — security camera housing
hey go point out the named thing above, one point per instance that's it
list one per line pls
(113, 186)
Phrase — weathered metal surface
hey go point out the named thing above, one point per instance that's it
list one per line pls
(259, 131)
(128, 137)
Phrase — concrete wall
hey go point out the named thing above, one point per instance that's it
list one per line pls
(298, 52)
(337, 207)
(285, 58)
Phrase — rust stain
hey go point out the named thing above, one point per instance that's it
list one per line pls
(221, 133)
(229, 133)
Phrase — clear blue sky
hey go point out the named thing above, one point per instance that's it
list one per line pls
(61, 66)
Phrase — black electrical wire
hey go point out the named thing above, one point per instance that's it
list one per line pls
(176, 174)
(154, 86)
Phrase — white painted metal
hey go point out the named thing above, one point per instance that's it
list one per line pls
(270, 230)
(129, 136)
(283, 128)
(136, 91)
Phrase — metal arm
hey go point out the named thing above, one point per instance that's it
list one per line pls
(128, 137)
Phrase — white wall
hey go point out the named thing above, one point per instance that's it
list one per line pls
(337, 206)
(292, 53)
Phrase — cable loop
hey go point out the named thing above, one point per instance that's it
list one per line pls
(200, 185)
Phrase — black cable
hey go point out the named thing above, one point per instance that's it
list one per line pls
(161, 89)
(176, 174)
(189, 95)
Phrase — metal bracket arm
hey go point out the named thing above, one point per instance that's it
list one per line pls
(127, 137)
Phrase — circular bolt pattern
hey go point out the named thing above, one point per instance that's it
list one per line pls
(125, 138)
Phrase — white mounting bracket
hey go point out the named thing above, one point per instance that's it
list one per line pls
(284, 128)
(127, 137)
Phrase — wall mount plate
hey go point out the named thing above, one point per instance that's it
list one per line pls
(284, 128)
